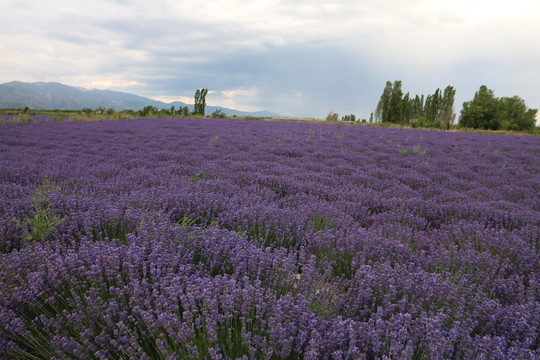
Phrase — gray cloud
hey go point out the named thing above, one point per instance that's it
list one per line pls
(298, 58)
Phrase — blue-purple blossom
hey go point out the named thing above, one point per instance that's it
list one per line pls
(233, 239)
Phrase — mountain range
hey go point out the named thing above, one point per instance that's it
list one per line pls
(56, 96)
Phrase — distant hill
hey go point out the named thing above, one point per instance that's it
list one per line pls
(52, 96)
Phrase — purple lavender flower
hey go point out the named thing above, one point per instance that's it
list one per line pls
(279, 240)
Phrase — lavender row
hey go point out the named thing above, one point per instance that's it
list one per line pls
(362, 242)
(171, 291)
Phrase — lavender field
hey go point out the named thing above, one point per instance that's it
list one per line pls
(226, 239)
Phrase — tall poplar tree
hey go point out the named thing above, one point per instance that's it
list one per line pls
(382, 111)
(417, 107)
(396, 101)
(200, 101)
(432, 109)
(390, 105)
(406, 109)
(447, 106)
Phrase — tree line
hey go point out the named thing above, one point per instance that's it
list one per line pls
(436, 110)
(153, 111)
(183, 111)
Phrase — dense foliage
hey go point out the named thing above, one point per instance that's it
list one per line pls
(486, 111)
(435, 110)
(181, 238)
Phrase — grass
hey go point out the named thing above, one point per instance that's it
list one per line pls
(195, 179)
(320, 223)
(24, 118)
(213, 140)
(113, 230)
(44, 219)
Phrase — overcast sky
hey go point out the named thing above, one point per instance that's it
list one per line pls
(296, 58)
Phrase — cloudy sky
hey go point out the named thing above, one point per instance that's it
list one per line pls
(296, 58)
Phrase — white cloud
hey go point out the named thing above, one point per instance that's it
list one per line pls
(237, 98)
(241, 92)
(168, 99)
(107, 84)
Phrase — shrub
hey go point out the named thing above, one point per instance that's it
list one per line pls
(332, 117)
(44, 221)
(25, 118)
(218, 114)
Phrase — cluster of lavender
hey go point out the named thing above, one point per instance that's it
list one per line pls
(225, 239)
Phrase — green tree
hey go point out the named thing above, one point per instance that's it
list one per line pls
(183, 111)
(513, 114)
(390, 106)
(417, 107)
(218, 114)
(447, 106)
(200, 101)
(149, 111)
(396, 103)
(348, 118)
(432, 108)
(481, 112)
(436, 110)
(332, 117)
(406, 109)
(383, 107)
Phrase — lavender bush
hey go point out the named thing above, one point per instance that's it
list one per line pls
(222, 239)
